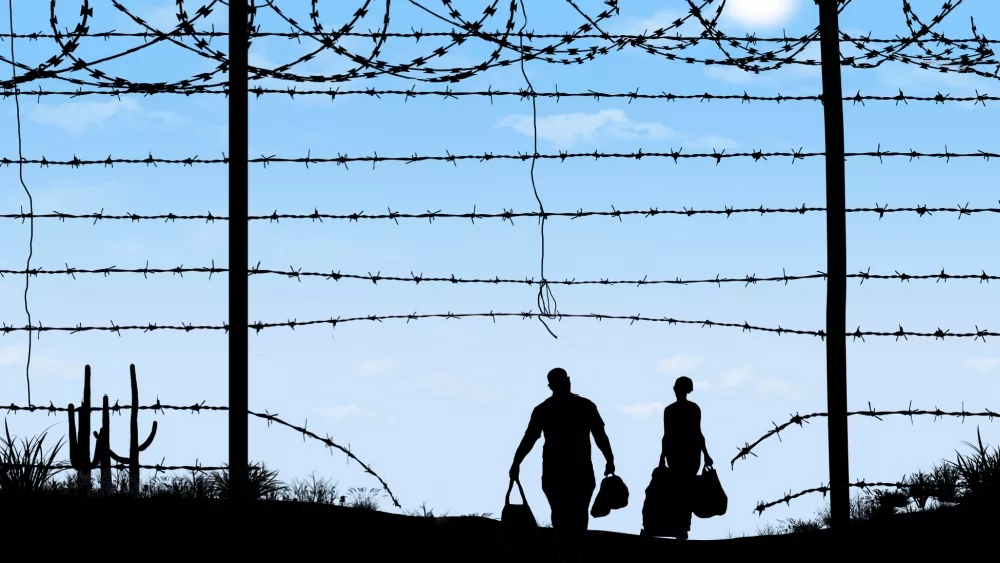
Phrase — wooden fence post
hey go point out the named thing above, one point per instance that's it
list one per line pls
(836, 249)
(239, 195)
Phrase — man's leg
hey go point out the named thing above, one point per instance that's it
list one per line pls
(556, 503)
(579, 519)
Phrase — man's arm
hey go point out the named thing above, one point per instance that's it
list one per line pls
(602, 441)
(531, 435)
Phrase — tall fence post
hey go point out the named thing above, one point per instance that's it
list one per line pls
(239, 208)
(836, 269)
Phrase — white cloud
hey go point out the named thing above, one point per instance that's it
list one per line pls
(643, 409)
(342, 412)
(444, 385)
(15, 357)
(678, 364)
(77, 117)
(257, 58)
(759, 13)
(163, 18)
(732, 74)
(9, 355)
(164, 117)
(812, 52)
(369, 368)
(736, 377)
(983, 364)
(571, 128)
(768, 388)
(661, 19)
(260, 60)
(902, 75)
(69, 195)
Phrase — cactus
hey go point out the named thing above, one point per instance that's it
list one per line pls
(79, 444)
(134, 447)
(103, 450)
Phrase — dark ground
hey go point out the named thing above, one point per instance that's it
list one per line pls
(168, 528)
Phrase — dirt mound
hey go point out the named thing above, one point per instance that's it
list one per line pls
(210, 528)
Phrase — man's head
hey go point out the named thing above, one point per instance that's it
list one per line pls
(682, 387)
(558, 380)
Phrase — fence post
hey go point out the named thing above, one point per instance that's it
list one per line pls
(239, 196)
(836, 257)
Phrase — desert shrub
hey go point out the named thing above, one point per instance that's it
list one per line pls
(25, 467)
(314, 490)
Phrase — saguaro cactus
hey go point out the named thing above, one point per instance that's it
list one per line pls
(79, 444)
(103, 453)
(134, 447)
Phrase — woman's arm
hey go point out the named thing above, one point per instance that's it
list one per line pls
(701, 439)
(663, 442)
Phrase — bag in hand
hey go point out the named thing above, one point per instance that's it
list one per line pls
(659, 510)
(710, 498)
(518, 527)
(612, 496)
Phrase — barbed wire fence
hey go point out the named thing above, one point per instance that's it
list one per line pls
(802, 419)
(924, 47)
(160, 408)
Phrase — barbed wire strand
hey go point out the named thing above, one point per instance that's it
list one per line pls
(804, 419)
(334, 322)
(506, 215)
(456, 33)
(824, 489)
(291, 92)
(196, 409)
(448, 157)
(298, 274)
(31, 202)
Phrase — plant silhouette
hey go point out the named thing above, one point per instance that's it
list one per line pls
(132, 461)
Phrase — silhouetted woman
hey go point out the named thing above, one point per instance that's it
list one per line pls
(683, 444)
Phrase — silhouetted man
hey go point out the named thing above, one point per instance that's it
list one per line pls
(567, 420)
(682, 446)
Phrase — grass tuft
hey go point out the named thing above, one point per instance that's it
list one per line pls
(25, 467)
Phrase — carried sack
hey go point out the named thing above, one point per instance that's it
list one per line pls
(710, 500)
(612, 496)
(518, 527)
(660, 516)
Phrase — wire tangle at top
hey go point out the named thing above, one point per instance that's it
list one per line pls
(585, 43)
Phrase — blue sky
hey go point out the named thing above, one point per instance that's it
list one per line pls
(437, 407)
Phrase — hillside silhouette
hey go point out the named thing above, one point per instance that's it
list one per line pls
(207, 528)
(953, 504)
